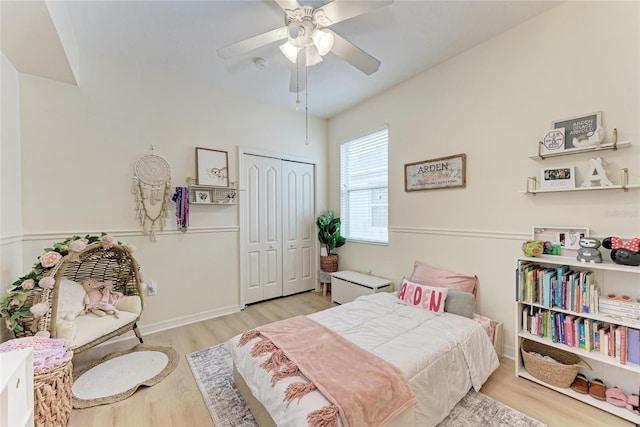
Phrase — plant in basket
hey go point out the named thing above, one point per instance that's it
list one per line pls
(329, 236)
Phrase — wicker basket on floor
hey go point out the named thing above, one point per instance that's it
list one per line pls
(53, 398)
(558, 374)
(329, 263)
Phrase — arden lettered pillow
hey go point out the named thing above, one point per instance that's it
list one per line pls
(426, 297)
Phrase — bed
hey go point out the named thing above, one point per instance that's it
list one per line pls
(441, 356)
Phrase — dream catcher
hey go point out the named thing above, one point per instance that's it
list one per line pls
(151, 186)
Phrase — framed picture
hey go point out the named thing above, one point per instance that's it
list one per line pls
(568, 238)
(443, 172)
(201, 197)
(557, 177)
(580, 131)
(552, 142)
(212, 167)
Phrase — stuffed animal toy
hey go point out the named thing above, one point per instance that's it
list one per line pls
(533, 248)
(624, 253)
(109, 299)
(93, 297)
(588, 251)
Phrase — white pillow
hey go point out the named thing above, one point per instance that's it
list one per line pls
(70, 299)
(428, 298)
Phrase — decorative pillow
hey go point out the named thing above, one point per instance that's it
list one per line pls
(426, 297)
(460, 303)
(70, 299)
(427, 275)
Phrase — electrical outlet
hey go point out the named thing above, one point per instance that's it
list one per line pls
(152, 288)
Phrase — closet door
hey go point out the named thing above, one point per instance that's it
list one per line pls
(298, 227)
(263, 232)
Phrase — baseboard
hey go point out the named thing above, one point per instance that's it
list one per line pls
(176, 322)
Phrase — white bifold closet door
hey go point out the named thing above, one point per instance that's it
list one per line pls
(279, 224)
(298, 227)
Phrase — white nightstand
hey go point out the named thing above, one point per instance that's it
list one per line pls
(348, 285)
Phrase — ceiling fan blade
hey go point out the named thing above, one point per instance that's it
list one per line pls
(288, 4)
(354, 55)
(297, 83)
(341, 10)
(252, 43)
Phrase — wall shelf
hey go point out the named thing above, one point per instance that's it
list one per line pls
(206, 195)
(603, 147)
(564, 190)
(624, 178)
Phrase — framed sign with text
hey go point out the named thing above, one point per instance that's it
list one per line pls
(443, 172)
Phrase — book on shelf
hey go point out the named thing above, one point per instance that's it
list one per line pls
(633, 346)
(623, 345)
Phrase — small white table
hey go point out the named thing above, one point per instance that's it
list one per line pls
(325, 279)
(348, 285)
(16, 388)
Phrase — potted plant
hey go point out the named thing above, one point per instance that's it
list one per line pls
(329, 236)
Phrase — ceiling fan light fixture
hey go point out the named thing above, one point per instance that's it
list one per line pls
(323, 41)
(289, 51)
(312, 57)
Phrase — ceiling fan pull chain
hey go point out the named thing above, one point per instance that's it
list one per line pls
(306, 107)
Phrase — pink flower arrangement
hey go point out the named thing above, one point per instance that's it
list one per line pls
(78, 245)
(47, 282)
(108, 241)
(49, 259)
(28, 284)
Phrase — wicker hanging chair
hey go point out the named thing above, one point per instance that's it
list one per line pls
(115, 264)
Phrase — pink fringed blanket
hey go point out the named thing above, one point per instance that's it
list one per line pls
(365, 389)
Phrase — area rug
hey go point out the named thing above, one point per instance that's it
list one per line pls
(118, 375)
(213, 371)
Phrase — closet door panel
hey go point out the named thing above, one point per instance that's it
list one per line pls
(262, 278)
(298, 222)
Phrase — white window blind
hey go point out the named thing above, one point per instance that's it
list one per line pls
(364, 187)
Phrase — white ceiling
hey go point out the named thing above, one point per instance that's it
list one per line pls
(181, 38)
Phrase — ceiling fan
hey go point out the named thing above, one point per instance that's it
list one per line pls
(309, 39)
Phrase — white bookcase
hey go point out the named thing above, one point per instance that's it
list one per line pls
(611, 278)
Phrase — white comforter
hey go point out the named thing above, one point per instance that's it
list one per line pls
(441, 356)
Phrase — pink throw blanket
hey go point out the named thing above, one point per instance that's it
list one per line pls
(365, 389)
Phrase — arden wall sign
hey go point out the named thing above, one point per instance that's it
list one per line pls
(444, 172)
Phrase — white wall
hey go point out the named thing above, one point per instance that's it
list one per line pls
(10, 182)
(494, 102)
(79, 147)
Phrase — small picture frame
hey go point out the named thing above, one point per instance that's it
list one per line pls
(557, 178)
(200, 196)
(579, 131)
(552, 141)
(212, 167)
(568, 238)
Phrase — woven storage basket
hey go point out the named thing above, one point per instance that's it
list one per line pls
(558, 374)
(329, 263)
(53, 398)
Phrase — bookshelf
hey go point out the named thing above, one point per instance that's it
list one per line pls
(610, 278)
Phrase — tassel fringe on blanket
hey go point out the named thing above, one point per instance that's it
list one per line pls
(282, 367)
(315, 355)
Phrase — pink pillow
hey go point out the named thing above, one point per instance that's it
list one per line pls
(422, 296)
(427, 275)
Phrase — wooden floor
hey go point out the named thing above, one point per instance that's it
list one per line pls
(176, 401)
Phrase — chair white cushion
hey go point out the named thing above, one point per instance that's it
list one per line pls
(89, 327)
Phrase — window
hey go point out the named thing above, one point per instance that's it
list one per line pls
(364, 197)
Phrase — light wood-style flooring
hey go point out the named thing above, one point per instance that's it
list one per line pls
(176, 401)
